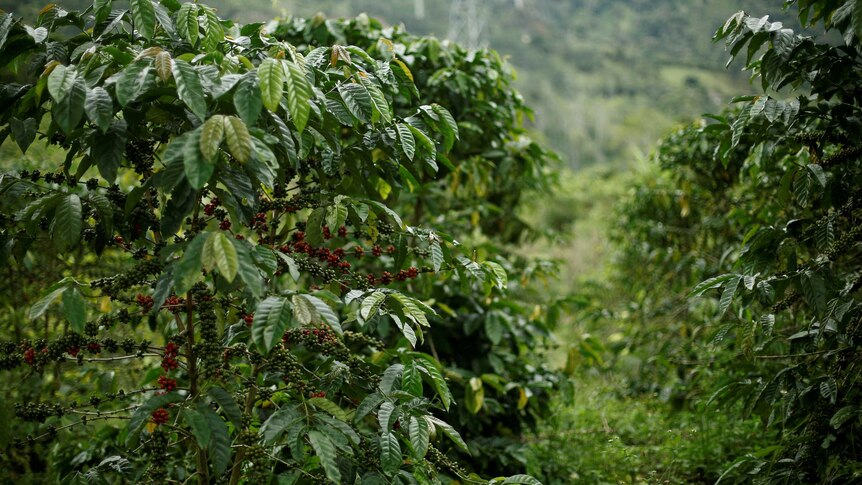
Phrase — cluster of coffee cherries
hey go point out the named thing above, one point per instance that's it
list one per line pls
(248, 318)
(37, 412)
(156, 448)
(319, 339)
(174, 304)
(283, 361)
(160, 416)
(169, 357)
(139, 274)
(38, 353)
(208, 349)
(35, 175)
(322, 340)
(167, 384)
(335, 260)
(145, 302)
(140, 153)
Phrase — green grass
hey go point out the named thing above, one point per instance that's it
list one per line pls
(602, 436)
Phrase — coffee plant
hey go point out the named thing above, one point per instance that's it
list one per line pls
(226, 291)
(762, 204)
(483, 179)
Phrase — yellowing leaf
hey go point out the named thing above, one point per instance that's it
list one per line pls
(164, 65)
(522, 398)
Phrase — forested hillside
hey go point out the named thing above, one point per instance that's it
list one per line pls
(606, 78)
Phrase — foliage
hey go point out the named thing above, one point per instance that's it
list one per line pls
(490, 344)
(738, 262)
(225, 205)
(606, 77)
(793, 291)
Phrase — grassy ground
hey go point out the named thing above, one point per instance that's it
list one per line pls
(630, 417)
(602, 436)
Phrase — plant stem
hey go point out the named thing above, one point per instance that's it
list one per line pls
(200, 457)
(247, 408)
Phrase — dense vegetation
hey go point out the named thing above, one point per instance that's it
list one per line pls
(300, 250)
(606, 78)
(244, 192)
(730, 314)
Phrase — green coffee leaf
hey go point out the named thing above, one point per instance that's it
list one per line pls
(408, 143)
(271, 318)
(189, 88)
(75, 309)
(144, 16)
(228, 405)
(431, 367)
(279, 422)
(270, 75)
(325, 450)
(420, 433)
(187, 270)
(199, 426)
(357, 99)
(380, 109)
(219, 253)
(299, 95)
(187, 22)
(135, 79)
(60, 81)
(239, 141)
(67, 225)
(247, 99)
(449, 431)
(371, 304)
(99, 108)
(219, 450)
(390, 452)
(68, 111)
(214, 32)
(212, 135)
(38, 309)
(321, 311)
(197, 167)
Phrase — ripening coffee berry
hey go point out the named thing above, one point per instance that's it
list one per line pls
(167, 383)
(30, 356)
(160, 416)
